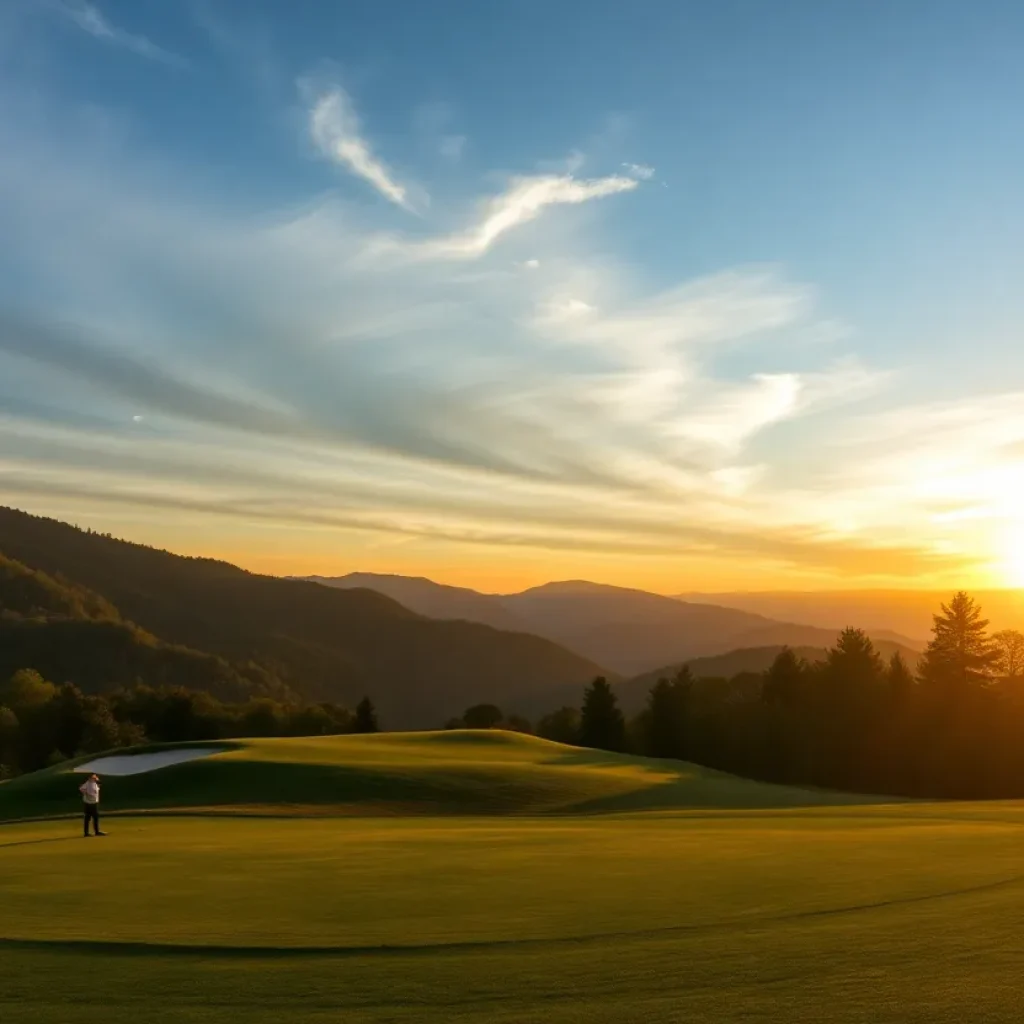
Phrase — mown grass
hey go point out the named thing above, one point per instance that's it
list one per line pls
(745, 913)
(412, 773)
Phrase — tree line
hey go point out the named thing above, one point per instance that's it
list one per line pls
(954, 728)
(951, 727)
(43, 724)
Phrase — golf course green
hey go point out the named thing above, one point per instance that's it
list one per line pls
(495, 877)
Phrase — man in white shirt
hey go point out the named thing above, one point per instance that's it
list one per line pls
(90, 790)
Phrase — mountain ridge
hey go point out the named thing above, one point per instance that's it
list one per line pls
(319, 642)
(629, 630)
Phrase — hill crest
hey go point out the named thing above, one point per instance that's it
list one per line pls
(322, 643)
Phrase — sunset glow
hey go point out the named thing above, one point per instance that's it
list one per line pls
(1015, 557)
(365, 330)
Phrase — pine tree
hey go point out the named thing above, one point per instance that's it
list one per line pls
(366, 717)
(853, 666)
(899, 677)
(562, 726)
(785, 680)
(960, 655)
(666, 718)
(601, 723)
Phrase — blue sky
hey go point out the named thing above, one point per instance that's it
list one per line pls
(688, 295)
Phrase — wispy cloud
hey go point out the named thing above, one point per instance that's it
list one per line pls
(642, 171)
(521, 203)
(542, 398)
(90, 19)
(335, 128)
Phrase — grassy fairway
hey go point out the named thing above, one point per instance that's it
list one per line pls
(411, 773)
(848, 913)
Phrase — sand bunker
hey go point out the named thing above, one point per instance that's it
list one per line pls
(136, 764)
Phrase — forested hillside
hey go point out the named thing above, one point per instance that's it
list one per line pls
(90, 609)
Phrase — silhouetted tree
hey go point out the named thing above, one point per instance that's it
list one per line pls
(667, 716)
(899, 678)
(482, 716)
(366, 717)
(1009, 645)
(8, 743)
(601, 723)
(853, 668)
(561, 726)
(960, 655)
(786, 680)
(516, 723)
(260, 717)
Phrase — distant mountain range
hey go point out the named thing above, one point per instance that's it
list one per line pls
(895, 614)
(86, 608)
(629, 631)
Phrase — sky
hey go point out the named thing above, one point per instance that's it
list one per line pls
(716, 295)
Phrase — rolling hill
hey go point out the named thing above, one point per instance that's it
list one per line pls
(318, 642)
(733, 903)
(457, 772)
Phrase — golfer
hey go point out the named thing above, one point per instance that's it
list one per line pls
(90, 790)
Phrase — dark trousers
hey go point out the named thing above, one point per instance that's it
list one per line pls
(92, 813)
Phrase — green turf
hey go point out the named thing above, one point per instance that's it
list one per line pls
(412, 773)
(860, 913)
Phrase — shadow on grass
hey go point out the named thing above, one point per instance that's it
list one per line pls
(36, 842)
(680, 785)
(489, 785)
(469, 789)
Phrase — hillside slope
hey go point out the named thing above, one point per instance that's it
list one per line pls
(72, 635)
(322, 643)
(435, 600)
(630, 631)
(488, 772)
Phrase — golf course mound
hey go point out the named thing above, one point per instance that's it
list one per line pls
(493, 877)
(430, 773)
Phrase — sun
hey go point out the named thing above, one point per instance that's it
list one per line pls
(1013, 556)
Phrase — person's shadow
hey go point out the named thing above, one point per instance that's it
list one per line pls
(33, 842)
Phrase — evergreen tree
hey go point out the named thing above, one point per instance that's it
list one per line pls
(601, 723)
(960, 655)
(899, 678)
(853, 667)
(366, 717)
(561, 726)
(666, 718)
(786, 679)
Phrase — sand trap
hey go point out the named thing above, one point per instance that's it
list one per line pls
(136, 764)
